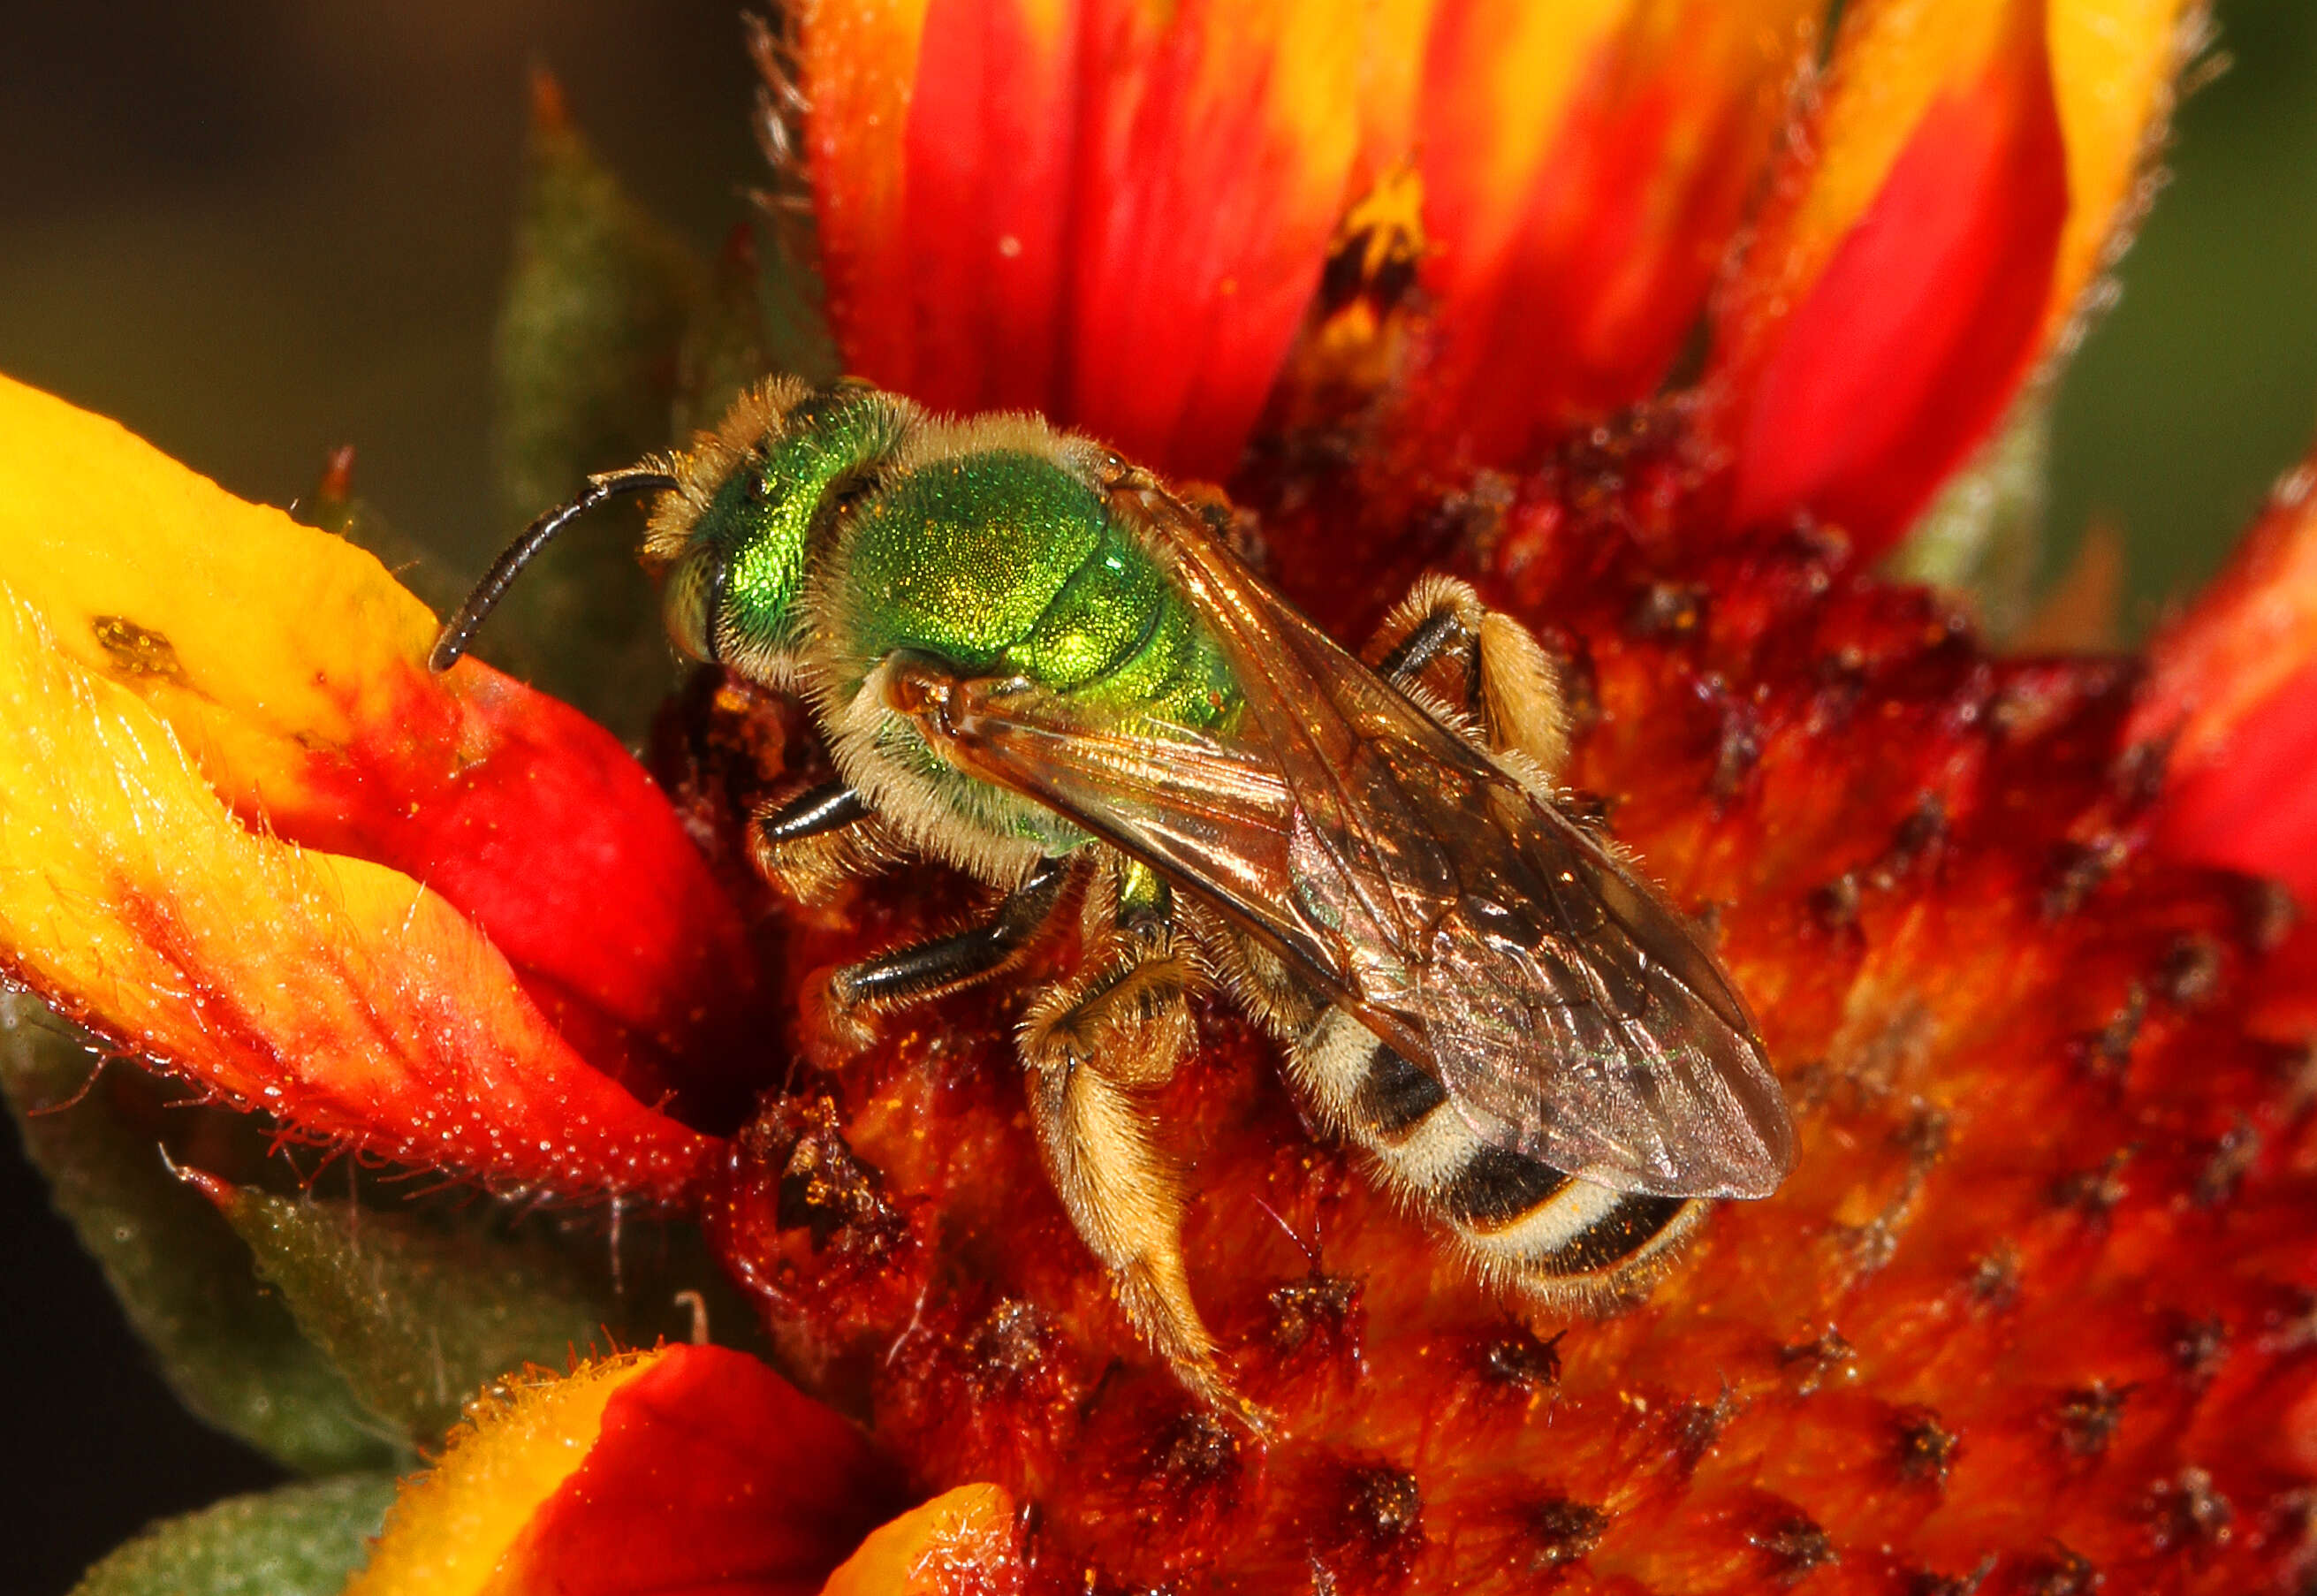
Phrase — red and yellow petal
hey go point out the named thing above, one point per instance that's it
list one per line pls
(1112, 213)
(1119, 215)
(347, 998)
(2232, 691)
(859, 64)
(2114, 66)
(685, 1469)
(245, 833)
(290, 667)
(1116, 214)
(1585, 167)
(1897, 289)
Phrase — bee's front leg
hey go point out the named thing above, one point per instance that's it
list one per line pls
(807, 843)
(1121, 1023)
(813, 813)
(1443, 640)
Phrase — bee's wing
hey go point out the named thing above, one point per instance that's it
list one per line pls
(1633, 1063)
(1571, 1015)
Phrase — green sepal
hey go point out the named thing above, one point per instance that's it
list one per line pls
(793, 299)
(227, 1346)
(420, 1309)
(724, 348)
(1982, 537)
(586, 360)
(302, 1539)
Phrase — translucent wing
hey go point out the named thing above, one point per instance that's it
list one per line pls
(1570, 1014)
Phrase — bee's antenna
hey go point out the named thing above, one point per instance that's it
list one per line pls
(459, 630)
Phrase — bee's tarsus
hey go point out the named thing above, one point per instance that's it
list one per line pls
(457, 632)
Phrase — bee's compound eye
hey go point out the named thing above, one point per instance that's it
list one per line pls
(690, 601)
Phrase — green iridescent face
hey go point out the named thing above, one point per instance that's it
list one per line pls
(731, 594)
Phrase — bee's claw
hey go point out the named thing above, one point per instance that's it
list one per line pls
(847, 1027)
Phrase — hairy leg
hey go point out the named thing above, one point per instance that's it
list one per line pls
(808, 843)
(1088, 1044)
(926, 970)
(1442, 641)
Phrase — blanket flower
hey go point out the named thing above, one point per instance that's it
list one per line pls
(1661, 321)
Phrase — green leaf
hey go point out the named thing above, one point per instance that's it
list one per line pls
(588, 351)
(305, 1540)
(228, 1348)
(1982, 537)
(422, 1309)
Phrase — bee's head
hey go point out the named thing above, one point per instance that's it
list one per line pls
(735, 535)
(737, 515)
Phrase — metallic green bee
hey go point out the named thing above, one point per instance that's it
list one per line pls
(1031, 660)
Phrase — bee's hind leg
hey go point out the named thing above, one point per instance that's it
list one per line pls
(1442, 639)
(1123, 1023)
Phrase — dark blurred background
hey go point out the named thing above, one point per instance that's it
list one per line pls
(256, 229)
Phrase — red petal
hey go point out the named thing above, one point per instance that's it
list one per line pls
(1899, 354)
(710, 1476)
(2232, 690)
(338, 994)
(540, 827)
(1115, 216)
(1213, 171)
(2254, 628)
(288, 665)
(988, 174)
(170, 651)
(2253, 805)
(858, 64)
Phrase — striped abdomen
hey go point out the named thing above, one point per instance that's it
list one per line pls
(1522, 1220)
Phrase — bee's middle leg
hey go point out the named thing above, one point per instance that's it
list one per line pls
(923, 971)
(1441, 638)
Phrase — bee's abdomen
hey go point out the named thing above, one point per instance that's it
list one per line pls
(1392, 1096)
(1534, 1222)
